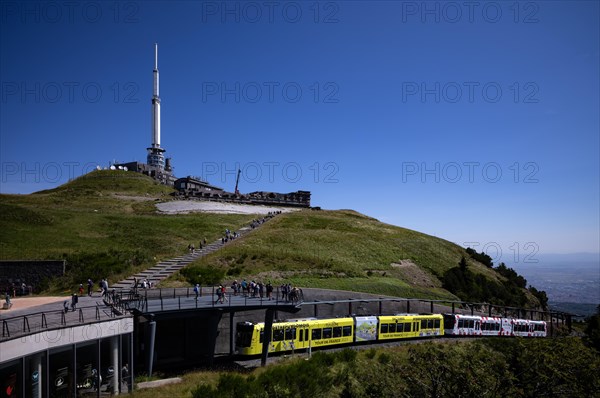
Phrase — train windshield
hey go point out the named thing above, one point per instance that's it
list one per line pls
(243, 336)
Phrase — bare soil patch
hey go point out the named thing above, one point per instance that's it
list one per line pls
(415, 275)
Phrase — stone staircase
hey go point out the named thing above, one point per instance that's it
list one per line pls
(166, 268)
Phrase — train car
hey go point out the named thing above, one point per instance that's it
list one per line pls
(462, 325)
(410, 325)
(527, 328)
(327, 332)
(294, 334)
(495, 326)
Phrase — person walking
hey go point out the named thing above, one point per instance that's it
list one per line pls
(74, 301)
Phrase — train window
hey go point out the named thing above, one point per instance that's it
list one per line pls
(278, 335)
(337, 331)
(290, 334)
(384, 328)
(461, 323)
(392, 328)
(407, 327)
(347, 331)
(490, 326)
(327, 333)
(305, 334)
(430, 323)
(436, 324)
(301, 335)
(316, 334)
(424, 324)
(539, 328)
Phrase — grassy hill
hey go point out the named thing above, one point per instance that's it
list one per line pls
(339, 250)
(105, 224)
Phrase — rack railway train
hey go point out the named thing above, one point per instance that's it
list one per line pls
(301, 334)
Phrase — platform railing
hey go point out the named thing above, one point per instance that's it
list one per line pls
(47, 320)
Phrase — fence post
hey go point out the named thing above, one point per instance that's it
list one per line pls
(5, 328)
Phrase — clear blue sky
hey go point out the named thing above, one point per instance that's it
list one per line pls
(475, 122)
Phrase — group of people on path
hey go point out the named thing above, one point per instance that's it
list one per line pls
(252, 289)
(255, 289)
(103, 284)
(229, 236)
(144, 284)
(192, 249)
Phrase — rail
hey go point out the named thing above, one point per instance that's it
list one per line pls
(185, 298)
(19, 325)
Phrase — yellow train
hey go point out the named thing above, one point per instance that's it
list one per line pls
(301, 334)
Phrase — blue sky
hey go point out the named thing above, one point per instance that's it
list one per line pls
(476, 122)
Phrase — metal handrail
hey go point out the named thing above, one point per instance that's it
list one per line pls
(22, 324)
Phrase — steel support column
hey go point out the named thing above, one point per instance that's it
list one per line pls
(231, 315)
(267, 336)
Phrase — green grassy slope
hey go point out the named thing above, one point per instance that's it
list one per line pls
(104, 224)
(341, 250)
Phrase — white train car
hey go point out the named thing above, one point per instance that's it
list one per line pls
(495, 326)
(474, 325)
(462, 325)
(527, 328)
